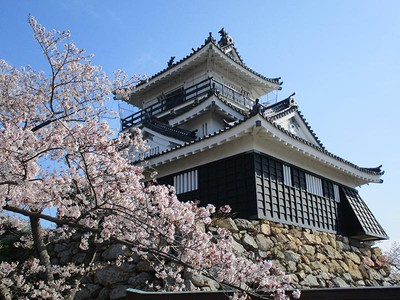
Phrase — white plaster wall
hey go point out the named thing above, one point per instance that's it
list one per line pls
(200, 153)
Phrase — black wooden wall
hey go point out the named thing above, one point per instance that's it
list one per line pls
(227, 181)
(253, 184)
(293, 204)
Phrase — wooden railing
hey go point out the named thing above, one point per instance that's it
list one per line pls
(196, 91)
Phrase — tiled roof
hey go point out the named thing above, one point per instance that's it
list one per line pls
(198, 102)
(369, 224)
(209, 40)
(283, 108)
(372, 171)
(168, 130)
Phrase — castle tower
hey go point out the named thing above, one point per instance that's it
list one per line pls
(213, 140)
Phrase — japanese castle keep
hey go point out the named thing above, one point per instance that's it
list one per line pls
(213, 141)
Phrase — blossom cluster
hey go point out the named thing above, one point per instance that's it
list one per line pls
(57, 154)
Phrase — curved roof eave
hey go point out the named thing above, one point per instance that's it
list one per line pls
(366, 175)
(197, 53)
(271, 82)
(203, 105)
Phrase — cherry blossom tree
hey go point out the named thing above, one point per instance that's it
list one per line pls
(392, 257)
(58, 154)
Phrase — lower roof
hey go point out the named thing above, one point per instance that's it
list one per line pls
(264, 128)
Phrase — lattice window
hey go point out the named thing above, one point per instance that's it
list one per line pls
(287, 175)
(204, 129)
(336, 192)
(186, 182)
(314, 185)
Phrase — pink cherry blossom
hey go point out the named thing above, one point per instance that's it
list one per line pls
(56, 153)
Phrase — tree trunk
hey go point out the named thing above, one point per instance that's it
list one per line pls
(40, 247)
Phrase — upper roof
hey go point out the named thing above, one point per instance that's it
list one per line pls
(222, 53)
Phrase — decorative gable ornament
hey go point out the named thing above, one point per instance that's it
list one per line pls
(212, 139)
(228, 46)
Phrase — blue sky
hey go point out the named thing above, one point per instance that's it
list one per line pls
(342, 58)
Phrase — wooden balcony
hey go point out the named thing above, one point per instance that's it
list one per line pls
(185, 97)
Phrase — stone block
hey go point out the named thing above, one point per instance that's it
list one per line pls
(344, 265)
(336, 268)
(238, 247)
(291, 245)
(212, 284)
(305, 268)
(144, 266)
(321, 257)
(104, 294)
(291, 267)
(265, 229)
(354, 257)
(114, 251)
(119, 292)
(249, 242)
(329, 250)
(197, 279)
(226, 223)
(347, 277)
(310, 281)
(309, 250)
(140, 280)
(310, 238)
(339, 282)
(88, 291)
(291, 256)
(246, 225)
(263, 242)
(376, 251)
(316, 265)
(110, 275)
(368, 261)
(355, 274)
(342, 246)
(360, 283)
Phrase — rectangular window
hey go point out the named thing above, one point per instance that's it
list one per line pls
(204, 129)
(287, 175)
(314, 185)
(186, 182)
(336, 192)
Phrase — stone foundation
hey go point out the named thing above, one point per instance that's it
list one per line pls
(315, 259)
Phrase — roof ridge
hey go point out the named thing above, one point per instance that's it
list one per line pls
(209, 40)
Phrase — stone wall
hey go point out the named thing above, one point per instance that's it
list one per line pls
(315, 260)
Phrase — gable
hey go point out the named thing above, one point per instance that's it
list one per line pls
(158, 142)
(295, 124)
(226, 110)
